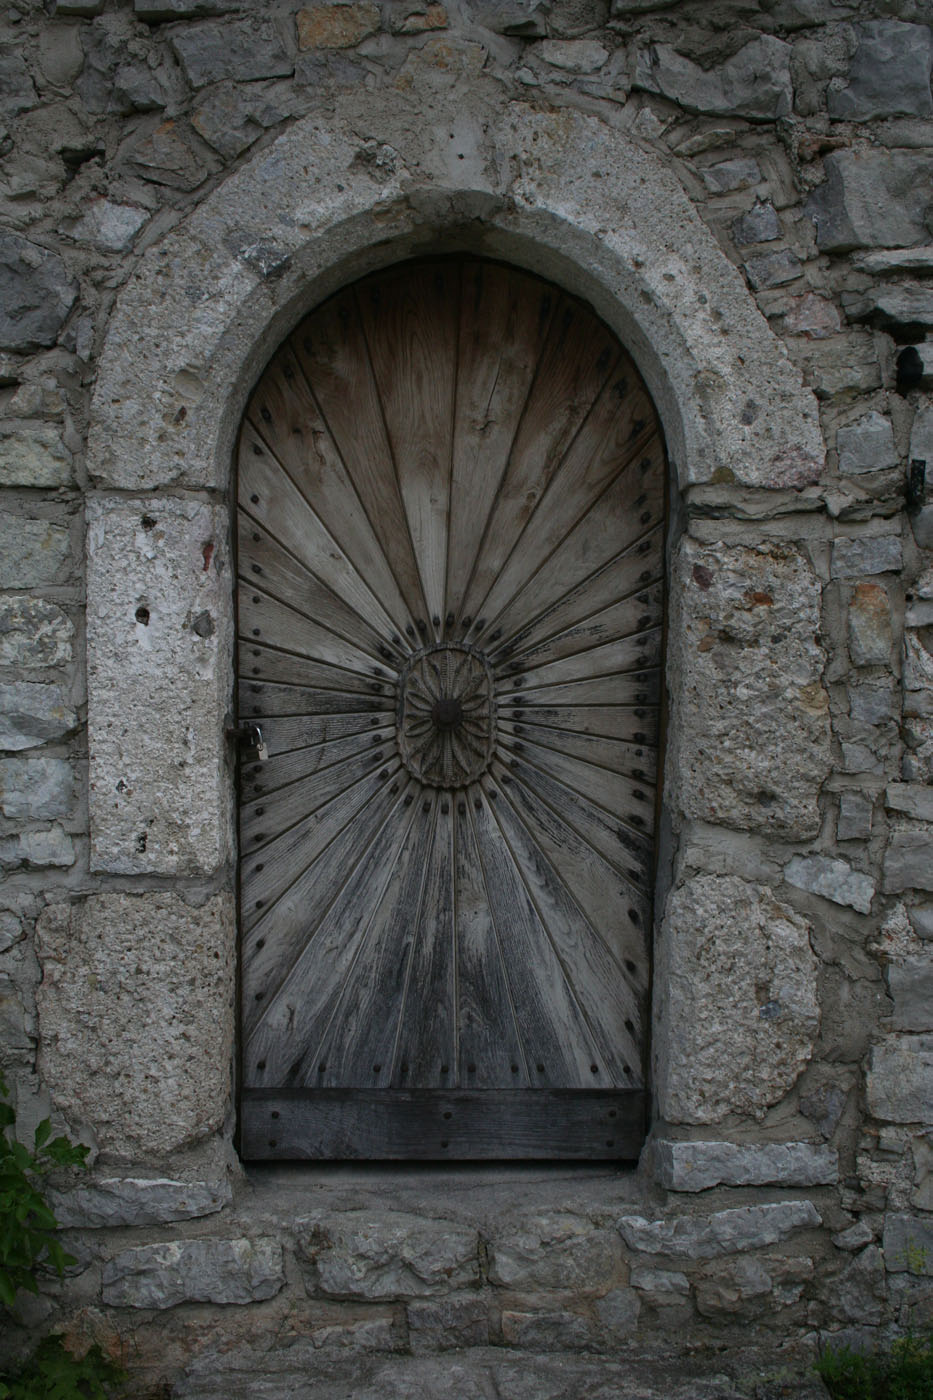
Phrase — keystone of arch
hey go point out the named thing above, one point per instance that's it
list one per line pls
(559, 192)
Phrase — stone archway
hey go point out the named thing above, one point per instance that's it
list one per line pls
(574, 201)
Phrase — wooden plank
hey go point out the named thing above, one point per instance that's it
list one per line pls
(641, 650)
(275, 936)
(360, 1047)
(263, 560)
(285, 1046)
(558, 1044)
(504, 319)
(619, 429)
(284, 414)
(578, 358)
(284, 735)
(411, 330)
(260, 664)
(631, 574)
(264, 618)
(616, 722)
(260, 699)
(635, 688)
(621, 619)
(288, 804)
(442, 1125)
(626, 522)
(426, 1051)
(491, 1053)
(283, 769)
(590, 835)
(619, 796)
(635, 761)
(270, 863)
(592, 935)
(331, 348)
(268, 495)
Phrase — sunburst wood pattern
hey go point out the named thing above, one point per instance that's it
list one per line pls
(450, 540)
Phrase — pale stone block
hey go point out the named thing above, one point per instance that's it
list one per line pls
(553, 1250)
(194, 1271)
(749, 740)
(725, 1232)
(573, 55)
(899, 1082)
(832, 879)
(159, 644)
(737, 1012)
(660, 1281)
(109, 226)
(135, 1017)
(387, 1254)
(696, 1166)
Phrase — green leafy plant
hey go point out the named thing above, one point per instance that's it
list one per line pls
(29, 1247)
(905, 1372)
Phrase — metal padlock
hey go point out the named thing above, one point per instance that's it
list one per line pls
(252, 744)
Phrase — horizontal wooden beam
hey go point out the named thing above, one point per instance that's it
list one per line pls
(441, 1125)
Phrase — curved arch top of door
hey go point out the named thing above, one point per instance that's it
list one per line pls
(450, 519)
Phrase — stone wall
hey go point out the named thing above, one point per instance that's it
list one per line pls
(744, 192)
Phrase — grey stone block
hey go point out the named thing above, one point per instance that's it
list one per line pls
(916, 799)
(725, 1232)
(387, 1254)
(908, 862)
(870, 625)
(921, 438)
(34, 634)
(36, 789)
(32, 552)
(552, 1250)
(111, 82)
(660, 1281)
(911, 986)
(241, 50)
(155, 11)
(525, 19)
(831, 879)
(866, 445)
(735, 174)
(194, 1271)
(109, 226)
(855, 814)
(760, 225)
(132, 1201)
(889, 75)
(899, 1082)
(547, 1329)
(754, 83)
(898, 304)
(873, 704)
(773, 269)
(618, 1312)
(921, 920)
(31, 713)
(696, 1166)
(573, 55)
(857, 1293)
(52, 846)
(878, 554)
(908, 1244)
(17, 93)
(34, 455)
(447, 1324)
(872, 199)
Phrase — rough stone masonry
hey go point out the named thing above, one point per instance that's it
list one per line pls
(746, 191)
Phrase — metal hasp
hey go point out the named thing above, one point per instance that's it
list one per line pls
(251, 743)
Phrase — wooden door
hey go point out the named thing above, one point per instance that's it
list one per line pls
(450, 542)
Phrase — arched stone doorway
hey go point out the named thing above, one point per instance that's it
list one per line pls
(451, 485)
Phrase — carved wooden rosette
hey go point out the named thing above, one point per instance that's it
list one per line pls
(450, 544)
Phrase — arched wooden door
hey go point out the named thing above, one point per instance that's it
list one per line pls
(450, 519)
